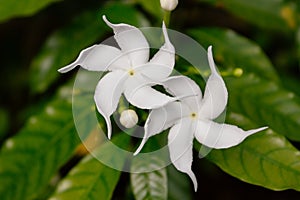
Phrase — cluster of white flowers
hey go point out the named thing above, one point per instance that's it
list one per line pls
(187, 112)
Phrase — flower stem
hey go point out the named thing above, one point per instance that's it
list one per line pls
(167, 15)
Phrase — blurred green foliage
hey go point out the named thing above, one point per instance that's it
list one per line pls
(256, 46)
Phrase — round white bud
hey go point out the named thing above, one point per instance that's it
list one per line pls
(168, 5)
(129, 118)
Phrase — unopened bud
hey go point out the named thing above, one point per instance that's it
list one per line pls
(129, 118)
(168, 5)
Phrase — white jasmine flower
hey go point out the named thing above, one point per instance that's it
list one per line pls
(129, 118)
(129, 70)
(192, 117)
(168, 5)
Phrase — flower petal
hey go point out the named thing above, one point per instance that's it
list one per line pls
(132, 42)
(215, 95)
(153, 71)
(182, 86)
(107, 95)
(98, 58)
(166, 54)
(161, 119)
(139, 93)
(220, 136)
(180, 142)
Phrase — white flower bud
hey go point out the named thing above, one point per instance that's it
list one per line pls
(168, 5)
(129, 118)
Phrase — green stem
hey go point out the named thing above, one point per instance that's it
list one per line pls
(167, 15)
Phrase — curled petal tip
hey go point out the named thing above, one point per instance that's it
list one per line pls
(140, 147)
(106, 21)
(258, 130)
(163, 25)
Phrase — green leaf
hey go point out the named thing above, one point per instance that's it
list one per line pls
(235, 51)
(152, 184)
(91, 179)
(15, 8)
(265, 159)
(29, 159)
(265, 103)
(64, 46)
(279, 14)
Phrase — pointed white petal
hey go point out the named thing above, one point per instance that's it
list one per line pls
(215, 95)
(145, 97)
(139, 93)
(219, 136)
(107, 95)
(180, 143)
(98, 58)
(182, 86)
(165, 57)
(161, 119)
(132, 42)
(154, 72)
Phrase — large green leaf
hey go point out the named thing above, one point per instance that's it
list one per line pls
(29, 159)
(91, 179)
(235, 51)
(266, 158)
(63, 46)
(278, 14)
(265, 103)
(14, 8)
(149, 185)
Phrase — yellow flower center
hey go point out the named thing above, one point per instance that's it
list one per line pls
(131, 72)
(193, 115)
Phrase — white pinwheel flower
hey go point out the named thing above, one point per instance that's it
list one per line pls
(130, 71)
(192, 117)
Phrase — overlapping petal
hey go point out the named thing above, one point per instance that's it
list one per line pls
(98, 58)
(180, 143)
(182, 86)
(220, 136)
(215, 95)
(139, 93)
(108, 93)
(166, 54)
(131, 41)
(161, 119)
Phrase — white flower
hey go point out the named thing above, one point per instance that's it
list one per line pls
(130, 70)
(193, 117)
(129, 118)
(168, 5)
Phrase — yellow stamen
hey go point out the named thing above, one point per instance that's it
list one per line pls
(193, 115)
(131, 72)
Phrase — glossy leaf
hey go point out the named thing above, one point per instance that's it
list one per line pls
(265, 103)
(150, 185)
(63, 46)
(29, 159)
(279, 14)
(235, 51)
(15, 8)
(265, 159)
(91, 179)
